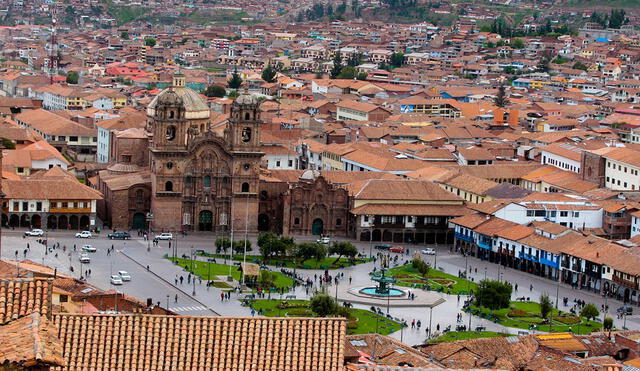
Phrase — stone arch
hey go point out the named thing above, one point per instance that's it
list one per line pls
(52, 222)
(84, 222)
(365, 235)
(317, 226)
(73, 222)
(168, 186)
(263, 222)
(14, 220)
(63, 222)
(24, 220)
(387, 236)
(36, 221)
(245, 187)
(205, 220)
(5, 220)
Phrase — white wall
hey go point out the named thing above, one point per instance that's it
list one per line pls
(635, 226)
(282, 162)
(560, 162)
(620, 176)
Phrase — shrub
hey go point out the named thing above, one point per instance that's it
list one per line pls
(519, 313)
(568, 320)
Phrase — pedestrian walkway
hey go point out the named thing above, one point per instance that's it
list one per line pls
(188, 309)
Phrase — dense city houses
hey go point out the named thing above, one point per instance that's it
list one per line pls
(503, 134)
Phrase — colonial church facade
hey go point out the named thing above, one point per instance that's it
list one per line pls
(198, 180)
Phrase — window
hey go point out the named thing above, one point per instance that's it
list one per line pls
(245, 187)
(264, 195)
(278, 163)
(139, 195)
(246, 134)
(38, 206)
(62, 138)
(16, 206)
(126, 159)
(206, 182)
(20, 169)
(296, 221)
(168, 186)
(73, 139)
(529, 212)
(64, 298)
(170, 133)
(576, 214)
(564, 213)
(540, 213)
(366, 218)
(25, 206)
(169, 165)
(338, 221)
(64, 205)
(290, 163)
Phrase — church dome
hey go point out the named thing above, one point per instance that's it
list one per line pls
(169, 98)
(310, 175)
(194, 105)
(246, 99)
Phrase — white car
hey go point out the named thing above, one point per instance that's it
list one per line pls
(34, 233)
(83, 234)
(124, 275)
(89, 248)
(116, 280)
(164, 236)
(84, 258)
(429, 251)
(324, 240)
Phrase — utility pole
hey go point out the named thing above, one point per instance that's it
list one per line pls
(246, 233)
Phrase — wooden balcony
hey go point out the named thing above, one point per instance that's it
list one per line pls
(70, 210)
(626, 283)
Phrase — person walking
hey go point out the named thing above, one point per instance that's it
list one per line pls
(176, 299)
(350, 280)
(181, 279)
(222, 296)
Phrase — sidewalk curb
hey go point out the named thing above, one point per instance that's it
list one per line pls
(170, 284)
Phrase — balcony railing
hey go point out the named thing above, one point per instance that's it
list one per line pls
(463, 237)
(625, 283)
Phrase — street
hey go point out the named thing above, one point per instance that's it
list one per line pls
(158, 282)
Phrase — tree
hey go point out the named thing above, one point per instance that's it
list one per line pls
(362, 76)
(233, 94)
(124, 35)
(493, 294)
(501, 99)
(320, 252)
(267, 280)
(355, 60)
(323, 305)
(306, 250)
(266, 245)
(235, 81)
(397, 59)
(150, 42)
(607, 324)
(72, 77)
(222, 244)
(421, 266)
(348, 73)
(580, 66)
(269, 74)
(343, 248)
(238, 246)
(337, 66)
(7, 143)
(589, 311)
(545, 306)
(216, 91)
(617, 18)
(517, 43)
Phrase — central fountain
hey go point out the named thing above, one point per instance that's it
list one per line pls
(383, 288)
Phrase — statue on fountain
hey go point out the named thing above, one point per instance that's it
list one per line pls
(383, 281)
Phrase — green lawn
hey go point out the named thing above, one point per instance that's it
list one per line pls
(436, 280)
(465, 335)
(524, 314)
(366, 322)
(326, 263)
(202, 270)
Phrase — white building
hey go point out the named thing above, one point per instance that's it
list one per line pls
(561, 155)
(622, 168)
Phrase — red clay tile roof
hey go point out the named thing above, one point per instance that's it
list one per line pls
(30, 342)
(23, 296)
(409, 209)
(149, 342)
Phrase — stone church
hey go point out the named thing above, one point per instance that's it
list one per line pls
(198, 180)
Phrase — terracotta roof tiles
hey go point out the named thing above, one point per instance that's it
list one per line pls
(21, 297)
(150, 342)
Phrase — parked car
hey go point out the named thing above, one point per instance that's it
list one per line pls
(116, 280)
(89, 248)
(34, 233)
(383, 246)
(164, 236)
(626, 309)
(324, 239)
(124, 275)
(83, 234)
(84, 258)
(397, 249)
(429, 251)
(119, 236)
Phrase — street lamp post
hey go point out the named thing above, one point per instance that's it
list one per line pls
(557, 291)
(194, 271)
(167, 301)
(336, 291)
(430, 315)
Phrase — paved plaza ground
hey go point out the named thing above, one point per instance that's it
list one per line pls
(158, 281)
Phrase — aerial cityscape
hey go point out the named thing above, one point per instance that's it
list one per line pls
(320, 185)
